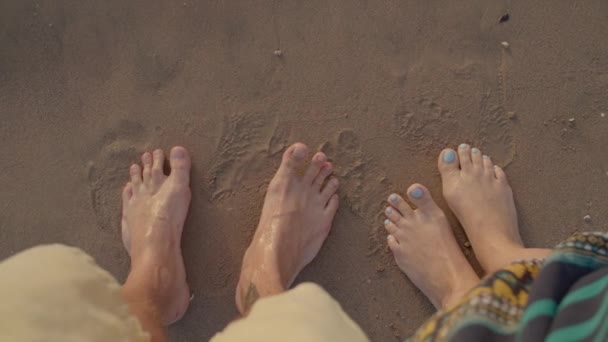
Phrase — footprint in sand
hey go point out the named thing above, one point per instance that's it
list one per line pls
(446, 104)
(363, 185)
(247, 142)
(108, 173)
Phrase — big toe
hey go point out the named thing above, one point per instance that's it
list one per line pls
(448, 164)
(294, 159)
(179, 160)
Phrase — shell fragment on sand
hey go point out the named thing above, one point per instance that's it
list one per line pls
(505, 44)
(587, 218)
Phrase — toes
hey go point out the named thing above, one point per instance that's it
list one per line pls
(330, 189)
(400, 204)
(146, 160)
(488, 166)
(158, 162)
(390, 227)
(393, 244)
(448, 163)
(318, 160)
(421, 197)
(326, 170)
(294, 159)
(332, 205)
(464, 155)
(180, 162)
(127, 193)
(500, 174)
(392, 215)
(135, 173)
(476, 157)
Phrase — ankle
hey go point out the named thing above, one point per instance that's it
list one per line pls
(454, 296)
(255, 284)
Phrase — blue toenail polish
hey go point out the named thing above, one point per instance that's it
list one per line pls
(389, 210)
(394, 198)
(417, 193)
(386, 222)
(475, 150)
(449, 157)
(463, 146)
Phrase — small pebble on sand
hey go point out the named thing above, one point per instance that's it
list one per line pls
(278, 53)
(603, 115)
(571, 120)
(587, 218)
(511, 115)
(505, 44)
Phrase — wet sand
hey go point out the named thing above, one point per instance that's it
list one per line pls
(380, 86)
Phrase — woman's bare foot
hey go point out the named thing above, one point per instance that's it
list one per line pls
(425, 248)
(478, 193)
(154, 210)
(300, 205)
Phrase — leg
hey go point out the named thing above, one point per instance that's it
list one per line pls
(154, 210)
(425, 248)
(299, 208)
(478, 193)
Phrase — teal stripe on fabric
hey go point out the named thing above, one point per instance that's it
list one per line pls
(583, 330)
(574, 258)
(585, 292)
(543, 307)
(602, 333)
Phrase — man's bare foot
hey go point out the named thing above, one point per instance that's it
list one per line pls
(478, 193)
(153, 214)
(300, 205)
(425, 248)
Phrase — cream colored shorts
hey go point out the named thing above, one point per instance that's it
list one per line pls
(58, 293)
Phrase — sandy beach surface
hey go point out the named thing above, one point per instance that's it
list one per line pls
(380, 86)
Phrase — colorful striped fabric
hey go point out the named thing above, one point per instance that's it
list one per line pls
(563, 298)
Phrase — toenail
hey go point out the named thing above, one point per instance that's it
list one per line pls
(463, 146)
(386, 222)
(449, 157)
(389, 210)
(393, 198)
(321, 158)
(299, 152)
(486, 157)
(417, 193)
(475, 150)
(178, 153)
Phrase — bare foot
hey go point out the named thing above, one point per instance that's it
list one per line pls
(300, 205)
(425, 248)
(478, 193)
(154, 210)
